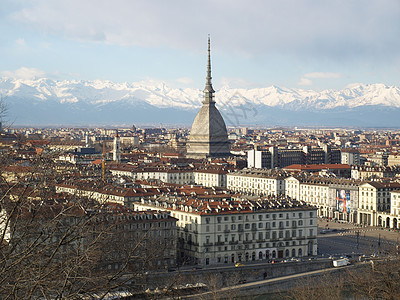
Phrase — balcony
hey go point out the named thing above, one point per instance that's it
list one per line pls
(233, 242)
(219, 243)
(240, 229)
(207, 244)
(247, 242)
(227, 230)
(253, 228)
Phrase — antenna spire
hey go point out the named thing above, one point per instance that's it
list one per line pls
(208, 90)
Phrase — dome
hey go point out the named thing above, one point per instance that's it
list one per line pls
(208, 136)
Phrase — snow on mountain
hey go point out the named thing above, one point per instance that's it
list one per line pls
(160, 95)
(50, 101)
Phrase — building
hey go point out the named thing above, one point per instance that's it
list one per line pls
(257, 182)
(336, 169)
(276, 157)
(368, 172)
(211, 177)
(234, 230)
(208, 136)
(350, 157)
(107, 237)
(117, 148)
(333, 197)
(374, 198)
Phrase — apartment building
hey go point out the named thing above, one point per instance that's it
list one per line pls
(257, 181)
(375, 198)
(210, 177)
(229, 231)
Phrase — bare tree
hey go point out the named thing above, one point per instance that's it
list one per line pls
(65, 246)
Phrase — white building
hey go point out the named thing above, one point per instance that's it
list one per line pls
(350, 157)
(256, 182)
(374, 197)
(210, 177)
(228, 231)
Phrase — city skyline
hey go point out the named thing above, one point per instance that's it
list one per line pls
(302, 44)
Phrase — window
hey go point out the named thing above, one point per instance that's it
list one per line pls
(260, 225)
(233, 226)
(267, 225)
(219, 219)
(207, 220)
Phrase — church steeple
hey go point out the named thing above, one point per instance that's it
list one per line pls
(208, 90)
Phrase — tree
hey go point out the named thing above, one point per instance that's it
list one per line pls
(67, 246)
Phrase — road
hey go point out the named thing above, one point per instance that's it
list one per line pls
(350, 238)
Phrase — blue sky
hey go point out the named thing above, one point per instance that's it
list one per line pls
(310, 44)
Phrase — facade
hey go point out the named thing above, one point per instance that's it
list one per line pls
(368, 172)
(350, 157)
(333, 197)
(211, 177)
(117, 148)
(394, 160)
(276, 157)
(374, 198)
(167, 174)
(336, 169)
(208, 136)
(256, 182)
(59, 228)
(229, 231)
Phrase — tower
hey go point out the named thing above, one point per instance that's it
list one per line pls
(117, 148)
(208, 136)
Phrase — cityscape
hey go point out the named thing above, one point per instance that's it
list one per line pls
(140, 190)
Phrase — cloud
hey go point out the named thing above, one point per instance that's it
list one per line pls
(237, 83)
(306, 78)
(24, 73)
(185, 80)
(323, 75)
(305, 81)
(20, 42)
(308, 28)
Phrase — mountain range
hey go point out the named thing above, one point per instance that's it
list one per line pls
(84, 103)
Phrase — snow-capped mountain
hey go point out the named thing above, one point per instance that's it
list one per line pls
(46, 101)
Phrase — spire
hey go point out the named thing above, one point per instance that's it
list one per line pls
(208, 90)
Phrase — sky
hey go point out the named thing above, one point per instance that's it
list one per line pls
(308, 44)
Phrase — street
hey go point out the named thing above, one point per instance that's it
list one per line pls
(346, 239)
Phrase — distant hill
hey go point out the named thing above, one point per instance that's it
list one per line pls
(48, 102)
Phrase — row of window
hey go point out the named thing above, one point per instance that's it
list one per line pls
(260, 217)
